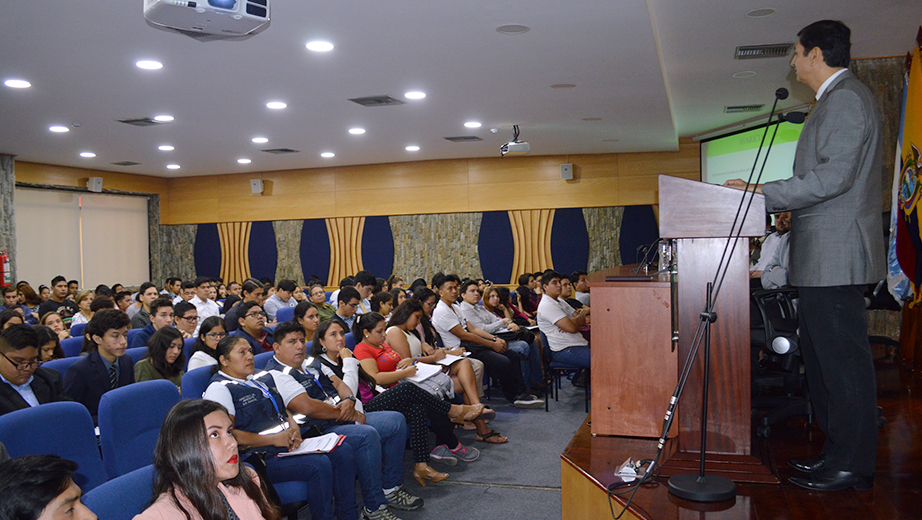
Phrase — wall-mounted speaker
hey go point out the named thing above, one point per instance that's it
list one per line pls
(256, 185)
(94, 184)
(566, 172)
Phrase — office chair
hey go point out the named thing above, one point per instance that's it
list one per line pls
(194, 382)
(285, 314)
(124, 497)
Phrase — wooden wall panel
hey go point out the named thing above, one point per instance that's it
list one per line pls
(402, 175)
(403, 201)
(546, 194)
(235, 246)
(51, 175)
(345, 246)
(531, 238)
(504, 170)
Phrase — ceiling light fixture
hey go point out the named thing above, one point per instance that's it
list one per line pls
(59, 129)
(276, 105)
(260, 140)
(356, 131)
(244, 161)
(17, 83)
(513, 29)
(173, 166)
(319, 46)
(472, 124)
(412, 148)
(327, 155)
(744, 74)
(415, 94)
(165, 148)
(164, 118)
(88, 155)
(149, 65)
(761, 13)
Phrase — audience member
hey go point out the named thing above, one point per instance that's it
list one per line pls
(382, 303)
(229, 303)
(11, 300)
(202, 300)
(307, 316)
(567, 345)
(106, 367)
(23, 382)
(165, 359)
(82, 301)
(398, 295)
(345, 282)
(234, 288)
(73, 287)
(171, 287)
(282, 298)
(416, 285)
(199, 474)
(566, 296)
(185, 319)
(252, 323)
(140, 318)
(318, 298)
(527, 298)
(49, 345)
(496, 300)
(59, 302)
(44, 293)
(54, 321)
(349, 300)
(117, 288)
(774, 273)
(769, 243)
(580, 282)
(222, 292)
(252, 292)
(11, 317)
(28, 298)
(161, 315)
(104, 290)
(101, 302)
(203, 351)
(123, 301)
(40, 487)
(364, 283)
(394, 282)
(186, 292)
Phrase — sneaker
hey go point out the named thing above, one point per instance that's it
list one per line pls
(442, 454)
(528, 401)
(382, 513)
(404, 501)
(466, 453)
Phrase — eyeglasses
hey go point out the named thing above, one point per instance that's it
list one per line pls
(256, 314)
(23, 365)
(188, 319)
(353, 305)
(217, 335)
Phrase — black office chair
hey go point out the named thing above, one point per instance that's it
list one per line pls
(779, 387)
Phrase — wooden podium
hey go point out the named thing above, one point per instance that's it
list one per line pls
(697, 217)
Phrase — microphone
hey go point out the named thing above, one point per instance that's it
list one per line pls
(781, 93)
(796, 118)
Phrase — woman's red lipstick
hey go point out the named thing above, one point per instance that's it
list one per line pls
(232, 460)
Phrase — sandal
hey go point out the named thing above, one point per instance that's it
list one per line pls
(492, 434)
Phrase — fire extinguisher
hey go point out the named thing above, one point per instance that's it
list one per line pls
(7, 278)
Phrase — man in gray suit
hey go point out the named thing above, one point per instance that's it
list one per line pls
(836, 247)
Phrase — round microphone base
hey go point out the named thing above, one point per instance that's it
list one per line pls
(710, 488)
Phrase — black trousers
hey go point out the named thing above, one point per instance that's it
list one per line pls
(505, 367)
(840, 374)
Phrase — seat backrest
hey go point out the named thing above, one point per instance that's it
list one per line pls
(132, 333)
(137, 353)
(187, 345)
(64, 429)
(72, 346)
(547, 346)
(61, 365)
(773, 313)
(262, 359)
(130, 418)
(350, 341)
(76, 331)
(285, 314)
(194, 382)
(124, 497)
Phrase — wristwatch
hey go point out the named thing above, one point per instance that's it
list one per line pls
(350, 397)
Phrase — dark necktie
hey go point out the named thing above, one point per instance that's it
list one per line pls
(113, 377)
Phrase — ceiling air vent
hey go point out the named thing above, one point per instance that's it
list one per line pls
(377, 101)
(279, 151)
(143, 121)
(464, 139)
(126, 163)
(753, 52)
(741, 109)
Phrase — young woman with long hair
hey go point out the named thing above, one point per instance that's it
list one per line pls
(209, 334)
(165, 359)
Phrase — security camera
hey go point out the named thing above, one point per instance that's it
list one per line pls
(514, 148)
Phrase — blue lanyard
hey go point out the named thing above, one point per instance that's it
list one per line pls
(259, 385)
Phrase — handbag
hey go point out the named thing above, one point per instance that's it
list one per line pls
(439, 385)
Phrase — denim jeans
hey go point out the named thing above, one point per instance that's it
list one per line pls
(329, 475)
(392, 428)
(578, 356)
(532, 372)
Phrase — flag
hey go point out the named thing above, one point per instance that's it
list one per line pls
(908, 240)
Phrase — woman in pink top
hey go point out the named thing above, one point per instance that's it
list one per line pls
(198, 469)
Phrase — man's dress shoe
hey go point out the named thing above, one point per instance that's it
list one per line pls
(831, 480)
(808, 465)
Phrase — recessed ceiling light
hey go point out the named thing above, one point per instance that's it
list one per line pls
(244, 161)
(356, 131)
(319, 46)
(149, 65)
(414, 94)
(472, 124)
(412, 148)
(563, 85)
(276, 105)
(512, 29)
(327, 155)
(163, 118)
(17, 83)
(592, 119)
(761, 13)
(173, 166)
(166, 148)
(744, 74)
(260, 140)
(88, 155)
(59, 129)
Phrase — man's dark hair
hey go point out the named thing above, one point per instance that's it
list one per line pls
(232, 284)
(173, 279)
(365, 278)
(245, 308)
(417, 283)
(181, 308)
(832, 37)
(465, 285)
(58, 279)
(346, 294)
(287, 285)
(28, 484)
(266, 280)
(346, 282)
(574, 277)
(158, 303)
(9, 289)
(101, 302)
(437, 280)
(19, 337)
(250, 285)
(523, 278)
(104, 290)
(285, 328)
(9, 314)
(121, 295)
(102, 321)
(447, 278)
(145, 286)
(186, 285)
(548, 276)
(378, 299)
(200, 281)
(73, 282)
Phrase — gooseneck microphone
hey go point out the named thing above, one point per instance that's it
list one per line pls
(781, 93)
(796, 118)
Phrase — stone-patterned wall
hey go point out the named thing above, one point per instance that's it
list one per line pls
(427, 244)
(288, 242)
(153, 239)
(884, 76)
(604, 228)
(7, 213)
(177, 251)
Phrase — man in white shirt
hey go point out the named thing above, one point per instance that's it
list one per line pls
(205, 307)
(566, 343)
(281, 298)
(501, 362)
(186, 292)
(171, 288)
(782, 226)
(580, 283)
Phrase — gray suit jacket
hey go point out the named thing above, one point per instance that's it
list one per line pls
(835, 193)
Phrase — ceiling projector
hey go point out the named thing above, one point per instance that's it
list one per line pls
(514, 147)
(207, 20)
